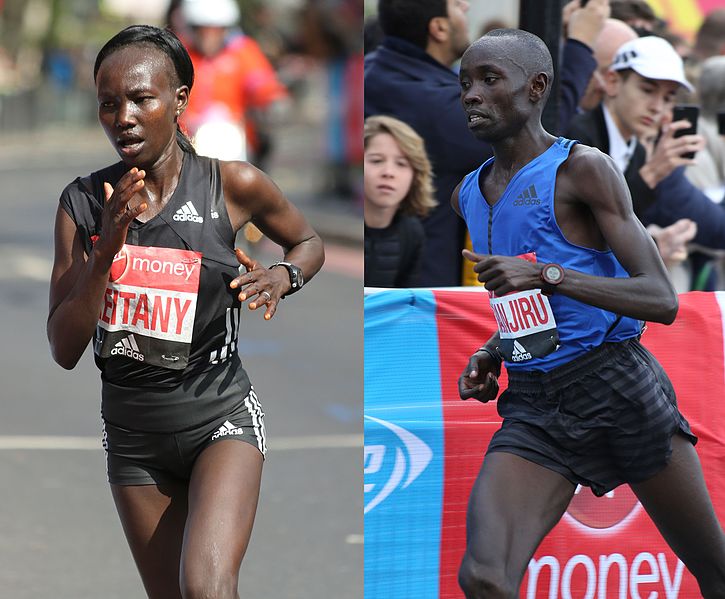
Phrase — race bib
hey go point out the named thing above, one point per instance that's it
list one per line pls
(149, 306)
(525, 322)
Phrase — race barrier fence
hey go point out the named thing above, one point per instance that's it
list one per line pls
(424, 447)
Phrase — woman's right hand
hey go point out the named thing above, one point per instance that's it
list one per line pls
(118, 213)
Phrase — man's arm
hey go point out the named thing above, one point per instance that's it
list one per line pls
(677, 198)
(577, 66)
(454, 200)
(647, 294)
(582, 27)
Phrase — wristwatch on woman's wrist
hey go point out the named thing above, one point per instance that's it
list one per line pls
(296, 278)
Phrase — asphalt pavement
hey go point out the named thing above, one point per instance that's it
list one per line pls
(59, 534)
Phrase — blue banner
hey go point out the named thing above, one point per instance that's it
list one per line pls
(403, 446)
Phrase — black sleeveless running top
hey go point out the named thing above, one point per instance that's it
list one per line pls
(168, 313)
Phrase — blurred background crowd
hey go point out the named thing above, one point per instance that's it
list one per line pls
(294, 84)
(300, 96)
(637, 120)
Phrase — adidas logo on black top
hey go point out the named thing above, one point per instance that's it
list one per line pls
(129, 348)
(527, 197)
(188, 212)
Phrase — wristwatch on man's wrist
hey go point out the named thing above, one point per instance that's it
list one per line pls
(296, 278)
(551, 275)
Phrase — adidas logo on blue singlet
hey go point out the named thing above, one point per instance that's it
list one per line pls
(188, 212)
(528, 197)
(519, 353)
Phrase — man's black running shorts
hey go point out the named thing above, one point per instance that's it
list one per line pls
(604, 419)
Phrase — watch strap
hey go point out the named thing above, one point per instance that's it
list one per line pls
(295, 276)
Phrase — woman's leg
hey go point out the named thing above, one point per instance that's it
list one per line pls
(223, 494)
(153, 519)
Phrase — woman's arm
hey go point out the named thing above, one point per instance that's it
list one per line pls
(252, 196)
(78, 283)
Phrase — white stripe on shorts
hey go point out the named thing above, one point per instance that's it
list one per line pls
(255, 411)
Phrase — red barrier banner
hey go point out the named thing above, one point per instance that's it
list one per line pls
(603, 547)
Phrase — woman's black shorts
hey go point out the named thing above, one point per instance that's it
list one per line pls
(146, 458)
(604, 419)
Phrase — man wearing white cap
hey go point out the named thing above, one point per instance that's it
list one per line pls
(640, 89)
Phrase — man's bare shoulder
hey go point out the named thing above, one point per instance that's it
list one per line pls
(584, 158)
(588, 168)
(591, 177)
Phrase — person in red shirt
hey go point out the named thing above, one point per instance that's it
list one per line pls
(234, 80)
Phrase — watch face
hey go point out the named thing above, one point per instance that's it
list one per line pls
(553, 274)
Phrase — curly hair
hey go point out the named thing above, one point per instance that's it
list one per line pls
(419, 200)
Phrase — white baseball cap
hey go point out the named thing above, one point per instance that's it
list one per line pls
(211, 13)
(653, 58)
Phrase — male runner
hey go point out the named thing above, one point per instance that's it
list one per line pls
(572, 273)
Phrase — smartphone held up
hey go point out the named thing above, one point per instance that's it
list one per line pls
(690, 113)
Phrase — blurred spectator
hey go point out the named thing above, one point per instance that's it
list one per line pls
(708, 172)
(175, 19)
(263, 27)
(638, 14)
(613, 34)
(672, 241)
(410, 77)
(331, 33)
(641, 85)
(398, 190)
(581, 27)
(233, 80)
(709, 41)
(710, 38)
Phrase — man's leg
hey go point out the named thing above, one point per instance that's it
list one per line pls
(514, 503)
(678, 502)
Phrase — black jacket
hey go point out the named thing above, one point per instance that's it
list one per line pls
(393, 255)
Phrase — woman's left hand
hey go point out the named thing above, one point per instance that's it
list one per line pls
(264, 286)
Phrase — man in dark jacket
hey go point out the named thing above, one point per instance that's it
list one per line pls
(641, 86)
(410, 77)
